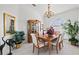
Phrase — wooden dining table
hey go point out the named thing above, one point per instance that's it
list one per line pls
(48, 39)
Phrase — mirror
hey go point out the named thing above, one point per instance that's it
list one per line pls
(9, 23)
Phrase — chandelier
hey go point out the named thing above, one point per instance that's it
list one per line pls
(49, 13)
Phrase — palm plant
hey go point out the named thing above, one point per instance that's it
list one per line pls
(72, 30)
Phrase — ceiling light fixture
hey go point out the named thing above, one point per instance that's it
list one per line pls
(49, 13)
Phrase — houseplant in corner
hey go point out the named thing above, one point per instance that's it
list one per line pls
(72, 30)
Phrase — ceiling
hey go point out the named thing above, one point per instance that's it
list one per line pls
(39, 9)
(57, 8)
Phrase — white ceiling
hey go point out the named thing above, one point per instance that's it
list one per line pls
(57, 8)
(39, 9)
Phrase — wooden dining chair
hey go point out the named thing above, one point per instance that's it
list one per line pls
(61, 41)
(56, 42)
(36, 43)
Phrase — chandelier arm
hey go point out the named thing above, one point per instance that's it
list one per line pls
(49, 7)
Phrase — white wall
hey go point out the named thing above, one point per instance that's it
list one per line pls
(27, 12)
(63, 17)
(11, 9)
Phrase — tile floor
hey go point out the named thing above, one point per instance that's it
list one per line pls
(68, 49)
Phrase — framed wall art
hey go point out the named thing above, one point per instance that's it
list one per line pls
(9, 23)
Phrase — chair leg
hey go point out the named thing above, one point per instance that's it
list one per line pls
(57, 49)
(44, 45)
(62, 44)
(33, 48)
(49, 50)
(38, 51)
(52, 46)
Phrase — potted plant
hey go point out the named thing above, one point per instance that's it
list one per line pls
(72, 29)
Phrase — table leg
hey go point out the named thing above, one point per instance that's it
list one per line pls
(49, 47)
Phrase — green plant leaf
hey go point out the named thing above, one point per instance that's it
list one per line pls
(71, 29)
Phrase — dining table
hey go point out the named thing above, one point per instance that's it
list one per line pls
(48, 39)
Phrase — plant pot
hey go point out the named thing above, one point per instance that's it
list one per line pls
(18, 46)
(77, 44)
(73, 43)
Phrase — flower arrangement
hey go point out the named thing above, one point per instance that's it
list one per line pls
(50, 31)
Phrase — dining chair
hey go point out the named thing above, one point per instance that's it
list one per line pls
(56, 42)
(61, 41)
(36, 42)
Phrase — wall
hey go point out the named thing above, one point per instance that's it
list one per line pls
(22, 13)
(27, 12)
(59, 19)
(11, 9)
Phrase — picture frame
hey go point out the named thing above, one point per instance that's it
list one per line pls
(8, 23)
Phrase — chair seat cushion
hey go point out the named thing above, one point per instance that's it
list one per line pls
(53, 43)
(40, 45)
(54, 40)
